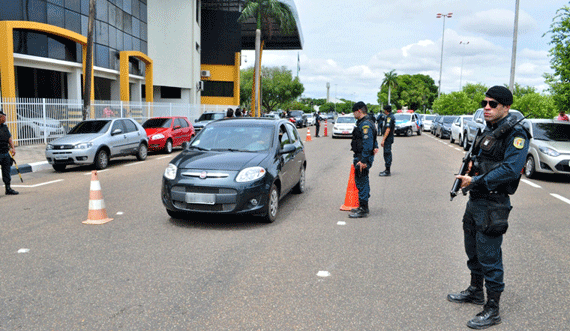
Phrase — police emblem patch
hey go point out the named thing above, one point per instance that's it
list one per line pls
(365, 129)
(518, 143)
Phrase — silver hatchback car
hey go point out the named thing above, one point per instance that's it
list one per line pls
(549, 150)
(96, 141)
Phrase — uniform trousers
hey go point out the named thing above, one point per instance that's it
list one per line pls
(6, 163)
(362, 181)
(388, 152)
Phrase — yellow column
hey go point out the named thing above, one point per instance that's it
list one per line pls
(237, 81)
(8, 76)
(124, 77)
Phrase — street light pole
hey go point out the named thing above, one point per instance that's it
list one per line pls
(514, 55)
(462, 56)
(439, 15)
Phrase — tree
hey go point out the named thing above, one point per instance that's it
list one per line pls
(535, 105)
(266, 13)
(390, 81)
(455, 103)
(559, 81)
(279, 87)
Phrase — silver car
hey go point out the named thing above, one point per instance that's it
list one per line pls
(549, 150)
(96, 141)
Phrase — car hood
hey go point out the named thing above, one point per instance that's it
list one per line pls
(403, 122)
(212, 160)
(71, 139)
(151, 131)
(560, 146)
(201, 123)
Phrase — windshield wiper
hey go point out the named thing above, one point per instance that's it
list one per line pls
(230, 149)
(200, 148)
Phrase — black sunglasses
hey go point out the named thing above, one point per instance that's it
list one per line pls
(493, 104)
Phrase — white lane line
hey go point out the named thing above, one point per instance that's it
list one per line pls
(40, 184)
(459, 149)
(23, 250)
(561, 198)
(341, 223)
(132, 164)
(164, 157)
(98, 171)
(530, 183)
(323, 273)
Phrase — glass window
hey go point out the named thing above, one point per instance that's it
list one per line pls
(127, 23)
(136, 44)
(130, 125)
(120, 41)
(85, 7)
(57, 2)
(36, 11)
(127, 42)
(56, 50)
(112, 15)
(72, 21)
(11, 10)
(283, 136)
(102, 10)
(112, 37)
(292, 133)
(74, 5)
(143, 36)
(127, 6)
(136, 8)
(101, 33)
(178, 122)
(84, 24)
(101, 56)
(184, 123)
(136, 28)
(55, 15)
(118, 125)
(118, 18)
(143, 12)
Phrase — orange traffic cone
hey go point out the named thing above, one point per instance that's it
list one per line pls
(326, 126)
(351, 199)
(97, 213)
(308, 135)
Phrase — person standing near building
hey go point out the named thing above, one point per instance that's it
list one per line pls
(503, 147)
(6, 148)
(318, 120)
(387, 139)
(562, 116)
(380, 120)
(363, 145)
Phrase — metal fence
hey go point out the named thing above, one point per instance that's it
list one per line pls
(42, 120)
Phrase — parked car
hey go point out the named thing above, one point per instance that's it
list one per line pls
(298, 117)
(236, 166)
(271, 115)
(164, 133)
(96, 141)
(407, 124)
(206, 118)
(311, 119)
(458, 127)
(443, 129)
(427, 120)
(32, 125)
(436, 122)
(344, 126)
(549, 149)
(478, 122)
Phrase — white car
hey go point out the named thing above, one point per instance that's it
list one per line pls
(344, 126)
(310, 119)
(427, 119)
(458, 127)
(33, 125)
(549, 147)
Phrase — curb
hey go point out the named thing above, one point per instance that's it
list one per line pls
(30, 167)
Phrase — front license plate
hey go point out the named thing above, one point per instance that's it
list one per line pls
(61, 157)
(345, 132)
(201, 198)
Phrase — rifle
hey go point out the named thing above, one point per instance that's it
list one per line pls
(16, 164)
(473, 151)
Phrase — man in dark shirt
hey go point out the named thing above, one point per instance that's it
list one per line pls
(387, 138)
(6, 147)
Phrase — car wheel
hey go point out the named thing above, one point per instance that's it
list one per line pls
(464, 143)
(300, 187)
(168, 147)
(529, 167)
(59, 167)
(142, 152)
(451, 140)
(101, 159)
(409, 132)
(272, 205)
(177, 214)
(420, 131)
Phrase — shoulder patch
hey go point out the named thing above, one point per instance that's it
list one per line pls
(518, 143)
(388, 119)
(365, 129)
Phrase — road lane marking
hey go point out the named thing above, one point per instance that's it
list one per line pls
(120, 213)
(132, 164)
(323, 273)
(459, 149)
(530, 183)
(23, 250)
(561, 198)
(40, 184)
(341, 223)
(98, 171)
(164, 157)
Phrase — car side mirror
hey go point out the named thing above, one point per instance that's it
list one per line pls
(116, 132)
(479, 120)
(185, 145)
(289, 148)
(177, 127)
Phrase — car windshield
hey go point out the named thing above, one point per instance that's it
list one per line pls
(296, 113)
(449, 119)
(468, 118)
(91, 127)
(551, 131)
(429, 117)
(157, 123)
(211, 116)
(403, 117)
(346, 119)
(234, 138)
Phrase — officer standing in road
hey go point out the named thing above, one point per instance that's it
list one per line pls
(380, 120)
(388, 138)
(363, 146)
(6, 147)
(496, 174)
(318, 120)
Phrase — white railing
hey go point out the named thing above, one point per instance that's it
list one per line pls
(41, 120)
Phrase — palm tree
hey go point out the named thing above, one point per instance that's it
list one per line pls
(266, 13)
(390, 81)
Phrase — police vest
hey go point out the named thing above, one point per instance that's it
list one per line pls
(357, 144)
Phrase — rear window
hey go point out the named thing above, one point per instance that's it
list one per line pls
(551, 131)
(211, 116)
(297, 113)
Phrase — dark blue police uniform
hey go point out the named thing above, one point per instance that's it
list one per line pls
(5, 158)
(363, 144)
(389, 123)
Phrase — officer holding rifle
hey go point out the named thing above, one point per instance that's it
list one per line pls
(493, 175)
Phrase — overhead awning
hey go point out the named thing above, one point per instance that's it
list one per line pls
(277, 40)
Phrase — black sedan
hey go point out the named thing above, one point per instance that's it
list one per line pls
(236, 166)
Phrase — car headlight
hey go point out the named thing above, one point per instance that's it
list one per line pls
(549, 151)
(83, 146)
(250, 174)
(49, 146)
(157, 136)
(170, 171)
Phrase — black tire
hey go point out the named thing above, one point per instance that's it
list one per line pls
(101, 159)
(420, 129)
(409, 132)
(464, 143)
(300, 187)
(529, 167)
(168, 147)
(59, 167)
(272, 206)
(451, 140)
(177, 214)
(142, 152)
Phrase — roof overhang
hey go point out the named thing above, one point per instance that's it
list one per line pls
(278, 40)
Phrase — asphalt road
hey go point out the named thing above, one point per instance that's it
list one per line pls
(313, 269)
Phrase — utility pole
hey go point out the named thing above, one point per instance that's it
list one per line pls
(439, 15)
(514, 55)
(88, 61)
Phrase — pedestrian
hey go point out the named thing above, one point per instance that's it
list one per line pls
(388, 127)
(380, 121)
(108, 112)
(363, 146)
(229, 113)
(318, 120)
(562, 116)
(496, 175)
(238, 112)
(6, 148)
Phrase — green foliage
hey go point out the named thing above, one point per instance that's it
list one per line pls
(455, 103)
(520, 91)
(559, 81)
(268, 13)
(475, 92)
(535, 105)
(416, 92)
(278, 87)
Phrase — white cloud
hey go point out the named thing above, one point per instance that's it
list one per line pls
(498, 22)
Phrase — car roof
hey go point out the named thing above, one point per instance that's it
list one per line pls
(268, 121)
(546, 120)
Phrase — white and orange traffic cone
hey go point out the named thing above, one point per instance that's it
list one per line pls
(326, 126)
(308, 135)
(97, 213)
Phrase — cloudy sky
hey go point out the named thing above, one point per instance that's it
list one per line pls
(352, 44)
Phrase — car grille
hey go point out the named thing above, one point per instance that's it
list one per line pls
(56, 147)
(563, 166)
(218, 207)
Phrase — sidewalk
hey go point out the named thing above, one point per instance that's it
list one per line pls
(30, 158)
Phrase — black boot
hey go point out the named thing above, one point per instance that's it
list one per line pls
(385, 173)
(361, 211)
(473, 294)
(10, 191)
(490, 314)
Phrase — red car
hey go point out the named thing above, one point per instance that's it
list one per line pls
(164, 133)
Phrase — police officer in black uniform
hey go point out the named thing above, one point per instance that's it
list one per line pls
(363, 145)
(388, 138)
(318, 120)
(6, 146)
(496, 174)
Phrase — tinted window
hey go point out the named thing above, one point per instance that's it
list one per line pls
(449, 119)
(283, 136)
(90, 127)
(211, 116)
(130, 125)
(183, 122)
(551, 131)
(292, 133)
(178, 122)
(118, 125)
(157, 123)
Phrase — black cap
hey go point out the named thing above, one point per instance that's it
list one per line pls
(501, 94)
(388, 108)
(359, 105)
